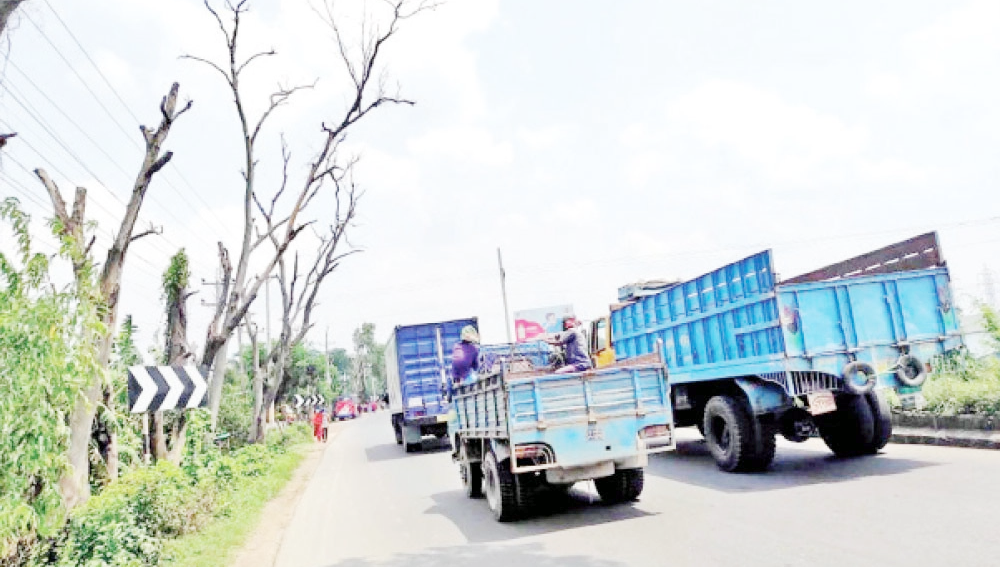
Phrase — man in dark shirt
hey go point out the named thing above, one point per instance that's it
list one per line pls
(574, 345)
(465, 355)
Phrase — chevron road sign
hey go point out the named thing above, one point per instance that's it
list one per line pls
(155, 388)
(299, 400)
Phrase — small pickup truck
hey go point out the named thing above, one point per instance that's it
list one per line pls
(522, 431)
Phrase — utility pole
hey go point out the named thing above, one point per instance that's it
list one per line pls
(503, 289)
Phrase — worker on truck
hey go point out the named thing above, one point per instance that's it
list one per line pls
(574, 345)
(464, 364)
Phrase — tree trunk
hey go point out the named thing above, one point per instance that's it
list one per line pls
(176, 453)
(7, 8)
(259, 408)
(218, 379)
(159, 441)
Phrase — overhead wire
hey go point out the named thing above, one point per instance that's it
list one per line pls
(120, 99)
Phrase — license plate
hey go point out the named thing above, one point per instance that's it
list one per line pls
(594, 433)
(443, 417)
(821, 402)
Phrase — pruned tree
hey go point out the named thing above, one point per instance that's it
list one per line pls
(7, 8)
(239, 287)
(75, 487)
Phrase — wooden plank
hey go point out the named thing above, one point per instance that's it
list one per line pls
(917, 253)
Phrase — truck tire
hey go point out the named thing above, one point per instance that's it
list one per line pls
(398, 430)
(910, 372)
(500, 489)
(849, 375)
(623, 486)
(730, 434)
(472, 479)
(765, 449)
(881, 421)
(849, 431)
(414, 447)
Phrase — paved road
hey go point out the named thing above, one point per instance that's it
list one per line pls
(370, 504)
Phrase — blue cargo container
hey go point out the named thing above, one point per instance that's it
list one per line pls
(418, 366)
(799, 354)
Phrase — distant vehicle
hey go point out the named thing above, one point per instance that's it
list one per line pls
(345, 409)
(418, 365)
(750, 356)
(522, 432)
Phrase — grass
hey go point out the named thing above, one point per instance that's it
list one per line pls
(217, 543)
(962, 385)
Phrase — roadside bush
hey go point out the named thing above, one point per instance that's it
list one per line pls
(125, 524)
(963, 384)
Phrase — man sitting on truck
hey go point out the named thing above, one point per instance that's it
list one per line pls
(574, 345)
(465, 355)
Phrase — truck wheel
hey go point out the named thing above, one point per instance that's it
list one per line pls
(398, 430)
(472, 479)
(623, 486)
(413, 447)
(849, 431)
(730, 434)
(881, 421)
(765, 448)
(500, 489)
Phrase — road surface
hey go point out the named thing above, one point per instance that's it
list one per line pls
(371, 504)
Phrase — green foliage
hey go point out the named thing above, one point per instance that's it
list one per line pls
(961, 384)
(176, 277)
(369, 357)
(125, 524)
(133, 519)
(44, 363)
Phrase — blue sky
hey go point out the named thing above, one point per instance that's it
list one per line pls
(595, 143)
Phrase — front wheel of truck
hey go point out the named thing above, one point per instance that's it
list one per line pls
(500, 489)
(731, 435)
(623, 486)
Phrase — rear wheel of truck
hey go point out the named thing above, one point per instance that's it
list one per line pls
(881, 421)
(413, 447)
(472, 479)
(623, 486)
(398, 430)
(849, 431)
(500, 488)
(731, 435)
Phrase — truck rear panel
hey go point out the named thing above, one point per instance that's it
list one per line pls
(583, 417)
(738, 321)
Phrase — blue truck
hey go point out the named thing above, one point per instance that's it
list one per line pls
(751, 356)
(520, 432)
(418, 366)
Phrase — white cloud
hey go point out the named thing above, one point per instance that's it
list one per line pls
(892, 171)
(468, 144)
(787, 140)
(543, 138)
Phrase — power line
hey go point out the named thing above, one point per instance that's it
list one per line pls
(118, 96)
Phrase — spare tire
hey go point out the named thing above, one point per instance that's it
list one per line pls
(850, 374)
(910, 371)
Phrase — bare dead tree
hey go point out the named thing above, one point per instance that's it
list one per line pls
(300, 287)
(74, 487)
(240, 289)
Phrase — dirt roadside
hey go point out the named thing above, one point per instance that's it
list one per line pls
(261, 547)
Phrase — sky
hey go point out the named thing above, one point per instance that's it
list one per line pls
(593, 143)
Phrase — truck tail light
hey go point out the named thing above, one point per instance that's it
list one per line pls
(652, 431)
(534, 451)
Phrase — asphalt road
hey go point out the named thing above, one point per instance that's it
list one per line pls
(371, 504)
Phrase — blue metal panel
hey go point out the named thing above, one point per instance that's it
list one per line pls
(420, 366)
(736, 322)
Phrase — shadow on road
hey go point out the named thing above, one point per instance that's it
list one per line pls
(531, 554)
(391, 451)
(692, 464)
(553, 512)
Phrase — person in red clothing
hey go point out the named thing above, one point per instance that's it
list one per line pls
(318, 424)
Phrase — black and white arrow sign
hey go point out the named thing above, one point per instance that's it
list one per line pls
(155, 388)
(298, 401)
